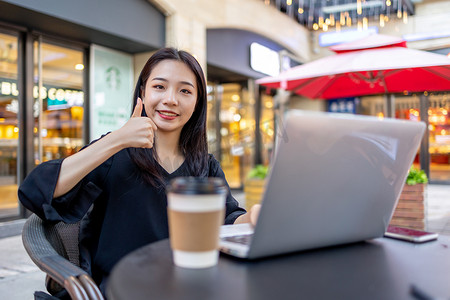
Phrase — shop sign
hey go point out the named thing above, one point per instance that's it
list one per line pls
(56, 97)
(343, 105)
(8, 88)
(331, 38)
(111, 84)
(264, 60)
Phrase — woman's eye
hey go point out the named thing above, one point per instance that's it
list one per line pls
(184, 91)
(158, 86)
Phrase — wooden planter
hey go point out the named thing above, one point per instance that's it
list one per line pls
(410, 210)
(253, 189)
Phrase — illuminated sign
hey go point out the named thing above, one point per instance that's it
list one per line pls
(344, 36)
(343, 105)
(264, 60)
(8, 88)
(56, 97)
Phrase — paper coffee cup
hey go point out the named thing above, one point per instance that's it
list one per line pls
(196, 208)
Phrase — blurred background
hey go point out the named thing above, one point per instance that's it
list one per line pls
(67, 72)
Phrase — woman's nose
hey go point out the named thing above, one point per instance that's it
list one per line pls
(170, 98)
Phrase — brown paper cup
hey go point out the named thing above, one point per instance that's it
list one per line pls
(196, 208)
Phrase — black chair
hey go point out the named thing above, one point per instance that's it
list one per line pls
(54, 249)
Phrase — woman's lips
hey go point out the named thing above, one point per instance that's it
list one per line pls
(167, 115)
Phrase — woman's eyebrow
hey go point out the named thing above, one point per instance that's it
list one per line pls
(165, 80)
(160, 78)
(188, 83)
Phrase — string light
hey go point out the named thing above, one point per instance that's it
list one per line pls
(332, 20)
(349, 21)
(321, 22)
(326, 14)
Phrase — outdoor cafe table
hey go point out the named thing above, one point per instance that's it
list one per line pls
(377, 269)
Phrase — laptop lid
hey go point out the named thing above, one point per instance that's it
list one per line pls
(334, 179)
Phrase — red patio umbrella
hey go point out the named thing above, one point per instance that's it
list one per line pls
(377, 64)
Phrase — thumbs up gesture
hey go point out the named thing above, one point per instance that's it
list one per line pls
(138, 131)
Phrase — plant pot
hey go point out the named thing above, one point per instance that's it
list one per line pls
(253, 189)
(410, 210)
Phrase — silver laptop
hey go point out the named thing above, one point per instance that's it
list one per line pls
(335, 179)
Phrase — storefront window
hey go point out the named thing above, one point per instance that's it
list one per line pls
(439, 126)
(373, 106)
(231, 129)
(9, 129)
(59, 83)
(408, 108)
(267, 128)
(212, 122)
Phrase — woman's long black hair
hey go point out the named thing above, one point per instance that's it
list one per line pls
(193, 142)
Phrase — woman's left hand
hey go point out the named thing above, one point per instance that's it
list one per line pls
(250, 217)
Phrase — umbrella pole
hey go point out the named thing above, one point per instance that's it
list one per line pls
(390, 105)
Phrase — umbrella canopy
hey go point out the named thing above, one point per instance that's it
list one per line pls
(376, 65)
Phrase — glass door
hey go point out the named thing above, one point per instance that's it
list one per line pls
(231, 129)
(439, 126)
(438, 129)
(9, 129)
(59, 99)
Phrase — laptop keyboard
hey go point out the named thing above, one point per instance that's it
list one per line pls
(240, 239)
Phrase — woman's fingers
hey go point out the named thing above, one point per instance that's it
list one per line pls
(139, 132)
(137, 112)
(254, 213)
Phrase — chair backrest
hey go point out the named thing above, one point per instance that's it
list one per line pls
(64, 238)
(54, 249)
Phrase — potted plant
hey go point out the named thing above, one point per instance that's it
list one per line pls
(254, 185)
(410, 210)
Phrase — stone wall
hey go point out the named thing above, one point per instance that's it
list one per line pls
(188, 20)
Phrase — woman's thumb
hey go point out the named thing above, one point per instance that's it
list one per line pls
(137, 112)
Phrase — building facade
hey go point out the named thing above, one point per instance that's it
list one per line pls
(67, 71)
(426, 30)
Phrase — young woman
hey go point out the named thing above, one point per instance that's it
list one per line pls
(116, 185)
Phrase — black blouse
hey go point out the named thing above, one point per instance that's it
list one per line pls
(119, 211)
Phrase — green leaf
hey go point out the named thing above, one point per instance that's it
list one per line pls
(259, 171)
(416, 176)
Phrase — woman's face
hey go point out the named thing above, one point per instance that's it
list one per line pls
(170, 95)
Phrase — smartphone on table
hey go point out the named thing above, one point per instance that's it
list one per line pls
(410, 235)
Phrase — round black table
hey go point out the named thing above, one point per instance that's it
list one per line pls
(378, 269)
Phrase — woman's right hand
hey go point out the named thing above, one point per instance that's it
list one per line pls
(138, 131)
